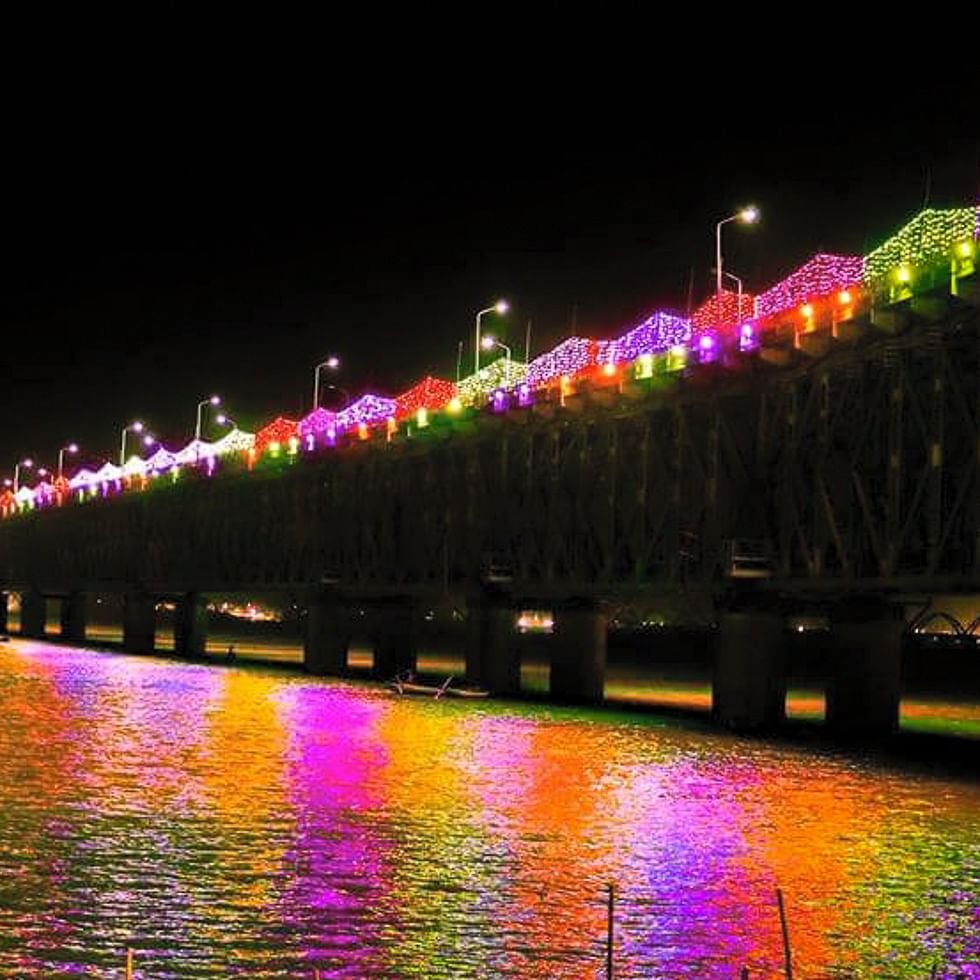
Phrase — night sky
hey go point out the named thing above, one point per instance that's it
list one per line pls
(155, 258)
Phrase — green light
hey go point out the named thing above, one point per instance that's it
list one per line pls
(928, 236)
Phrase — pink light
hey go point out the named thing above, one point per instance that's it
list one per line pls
(820, 276)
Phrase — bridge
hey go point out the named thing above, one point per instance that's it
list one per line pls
(831, 467)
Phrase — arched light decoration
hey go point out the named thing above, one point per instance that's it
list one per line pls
(280, 430)
(135, 467)
(44, 494)
(8, 503)
(367, 410)
(571, 356)
(928, 236)
(236, 441)
(24, 497)
(717, 322)
(819, 276)
(161, 460)
(82, 479)
(62, 490)
(314, 428)
(430, 393)
(195, 451)
(656, 334)
(503, 373)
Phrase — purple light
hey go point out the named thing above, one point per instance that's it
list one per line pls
(368, 409)
(524, 395)
(707, 342)
(657, 333)
(499, 401)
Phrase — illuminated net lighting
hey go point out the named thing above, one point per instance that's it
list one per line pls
(24, 497)
(931, 234)
(236, 441)
(656, 334)
(819, 276)
(195, 450)
(367, 410)
(430, 393)
(8, 503)
(135, 467)
(162, 459)
(278, 431)
(62, 490)
(572, 355)
(724, 320)
(502, 373)
(315, 424)
(82, 479)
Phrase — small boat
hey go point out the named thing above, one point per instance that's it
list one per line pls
(409, 685)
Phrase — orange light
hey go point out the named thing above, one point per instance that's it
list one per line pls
(844, 297)
(807, 310)
(609, 369)
(362, 430)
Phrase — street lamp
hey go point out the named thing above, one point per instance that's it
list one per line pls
(748, 216)
(27, 464)
(70, 448)
(137, 427)
(331, 362)
(213, 400)
(738, 314)
(488, 343)
(500, 308)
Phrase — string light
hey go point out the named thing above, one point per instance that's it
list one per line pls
(819, 276)
(711, 319)
(315, 425)
(367, 410)
(569, 357)
(195, 450)
(278, 431)
(502, 373)
(236, 441)
(929, 235)
(430, 393)
(654, 335)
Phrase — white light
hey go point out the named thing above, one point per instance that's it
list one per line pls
(501, 306)
(749, 215)
(137, 427)
(333, 363)
(488, 343)
(215, 400)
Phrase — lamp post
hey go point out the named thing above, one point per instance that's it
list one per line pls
(331, 362)
(500, 307)
(488, 343)
(342, 391)
(748, 216)
(738, 309)
(213, 400)
(27, 464)
(148, 440)
(70, 448)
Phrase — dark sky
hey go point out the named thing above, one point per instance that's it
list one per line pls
(159, 255)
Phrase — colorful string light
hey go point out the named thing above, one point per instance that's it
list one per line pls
(821, 275)
(367, 410)
(712, 320)
(162, 459)
(571, 356)
(929, 235)
(502, 373)
(236, 441)
(278, 431)
(194, 451)
(656, 334)
(430, 393)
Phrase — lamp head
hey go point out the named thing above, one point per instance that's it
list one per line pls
(27, 462)
(487, 342)
(749, 215)
(72, 447)
(333, 363)
(8, 482)
(215, 400)
(148, 440)
(42, 472)
(137, 427)
(501, 306)
(222, 419)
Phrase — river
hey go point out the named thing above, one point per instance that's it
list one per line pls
(242, 821)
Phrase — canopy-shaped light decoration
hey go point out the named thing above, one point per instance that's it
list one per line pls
(195, 450)
(658, 333)
(8, 502)
(279, 431)
(570, 356)
(162, 459)
(24, 497)
(820, 276)
(430, 393)
(108, 472)
(317, 423)
(135, 466)
(83, 479)
(236, 441)
(44, 494)
(367, 410)
(503, 373)
(930, 235)
(711, 320)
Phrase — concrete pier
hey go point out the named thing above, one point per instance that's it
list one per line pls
(73, 617)
(190, 625)
(139, 622)
(864, 687)
(749, 684)
(33, 614)
(328, 634)
(393, 628)
(492, 658)
(578, 653)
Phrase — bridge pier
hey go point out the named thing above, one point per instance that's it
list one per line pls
(190, 625)
(33, 614)
(73, 617)
(578, 653)
(139, 622)
(328, 633)
(749, 684)
(864, 688)
(492, 658)
(393, 631)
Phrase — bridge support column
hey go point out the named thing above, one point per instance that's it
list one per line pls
(327, 634)
(578, 653)
(73, 617)
(190, 625)
(393, 631)
(749, 685)
(492, 658)
(33, 614)
(139, 622)
(3, 612)
(865, 684)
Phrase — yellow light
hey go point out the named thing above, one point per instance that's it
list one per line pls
(566, 384)
(455, 405)
(844, 297)
(966, 249)
(609, 370)
(644, 366)
(807, 310)
(422, 417)
(904, 273)
(274, 448)
(362, 430)
(293, 445)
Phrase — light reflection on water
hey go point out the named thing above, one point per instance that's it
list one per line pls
(238, 822)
